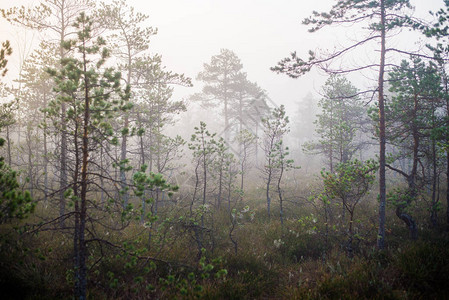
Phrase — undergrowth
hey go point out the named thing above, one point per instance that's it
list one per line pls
(294, 261)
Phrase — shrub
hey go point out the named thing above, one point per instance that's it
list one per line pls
(249, 277)
(424, 269)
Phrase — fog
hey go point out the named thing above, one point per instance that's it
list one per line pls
(260, 32)
(284, 194)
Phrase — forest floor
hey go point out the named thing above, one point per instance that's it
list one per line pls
(302, 259)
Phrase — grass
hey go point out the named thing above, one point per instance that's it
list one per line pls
(293, 261)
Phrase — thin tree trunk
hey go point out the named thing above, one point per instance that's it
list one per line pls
(234, 242)
(30, 161)
(63, 158)
(142, 162)
(226, 112)
(400, 210)
(257, 144)
(242, 171)
(204, 188)
(63, 165)
(101, 176)
(76, 234)
(229, 190)
(83, 196)
(433, 212)
(382, 138)
(447, 155)
(447, 190)
(8, 142)
(351, 235)
(124, 148)
(197, 181)
(123, 153)
(45, 156)
(268, 195)
(150, 158)
(156, 202)
(220, 183)
(408, 220)
(326, 219)
(281, 202)
(331, 145)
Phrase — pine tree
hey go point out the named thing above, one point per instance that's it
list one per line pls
(342, 118)
(275, 126)
(381, 17)
(14, 204)
(92, 100)
(55, 19)
(220, 77)
(416, 96)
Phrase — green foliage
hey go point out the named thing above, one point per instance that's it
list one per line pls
(201, 141)
(89, 96)
(342, 118)
(424, 268)
(193, 285)
(7, 114)
(275, 127)
(399, 197)
(14, 203)
(208, 154)
(412, 115)
(344, 11)
(220, 75)
(348, 185)
(259, 270)
(299, 244)
(99, 86)
(351, 181)
(126, 26)
(226, 86)
(299, 257)
(361, 282)
(5, 51)
(412, 109)
(144, 184)
(249, 277)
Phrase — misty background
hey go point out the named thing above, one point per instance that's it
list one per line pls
(259, 32)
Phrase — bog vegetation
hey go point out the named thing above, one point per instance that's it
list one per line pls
(99, 199)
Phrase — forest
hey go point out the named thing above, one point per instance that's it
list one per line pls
(114, 187)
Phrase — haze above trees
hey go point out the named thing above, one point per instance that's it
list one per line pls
(114, 186)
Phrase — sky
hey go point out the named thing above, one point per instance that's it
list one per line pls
(260, 32)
